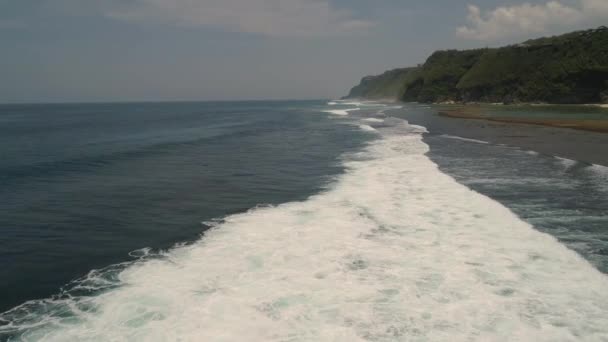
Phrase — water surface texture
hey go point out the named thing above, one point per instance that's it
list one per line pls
(375, 229)
(84, 185)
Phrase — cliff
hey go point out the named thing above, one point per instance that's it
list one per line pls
(571, 68)
(389, 85)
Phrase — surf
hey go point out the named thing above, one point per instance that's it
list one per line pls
(393, 250)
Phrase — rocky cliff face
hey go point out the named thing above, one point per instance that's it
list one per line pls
(571, 68)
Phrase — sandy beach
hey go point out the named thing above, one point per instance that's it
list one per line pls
(587, 125)
(587, 143)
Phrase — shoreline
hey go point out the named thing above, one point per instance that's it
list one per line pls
(586, 146)
(538, 104)
(600, 126)
(463, 110)
(460, 103)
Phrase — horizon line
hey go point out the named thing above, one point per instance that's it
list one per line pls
(154, 101)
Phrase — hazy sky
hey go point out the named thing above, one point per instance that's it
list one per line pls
(121, 50)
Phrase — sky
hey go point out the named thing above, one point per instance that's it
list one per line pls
(172, 50)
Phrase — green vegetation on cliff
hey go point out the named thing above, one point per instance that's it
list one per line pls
(440, 74)
(389, 85)
(571, 68)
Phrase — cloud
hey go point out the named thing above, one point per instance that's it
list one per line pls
(519, 20)
(266, 17)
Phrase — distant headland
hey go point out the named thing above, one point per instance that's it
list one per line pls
(566, 69)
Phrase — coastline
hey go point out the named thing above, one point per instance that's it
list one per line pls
(580, 124)
(585, 146)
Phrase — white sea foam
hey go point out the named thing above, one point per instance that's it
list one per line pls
(417, 129)
(363, 103)
(367, 128)
(394, 251)
(567, 163)
(463, 139)
(373, 120)
(600, 173)
(332, 103)
(600, 169)
(341, 112)
(352, 103)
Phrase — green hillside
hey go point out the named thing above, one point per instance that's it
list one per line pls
(440, 74)
(389, 85)
(571, 68)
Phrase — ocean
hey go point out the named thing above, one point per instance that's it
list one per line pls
(290, 221)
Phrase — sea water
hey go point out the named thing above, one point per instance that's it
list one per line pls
(382, 241)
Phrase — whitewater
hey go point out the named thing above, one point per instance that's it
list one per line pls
(393, 250)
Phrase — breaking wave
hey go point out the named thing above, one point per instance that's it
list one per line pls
(341, 112)
(373, 120)
(394, 250)
(367, 128)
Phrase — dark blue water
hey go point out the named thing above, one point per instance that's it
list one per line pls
(83, 185)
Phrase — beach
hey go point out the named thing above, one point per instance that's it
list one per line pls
(586, 146)
(587, 125)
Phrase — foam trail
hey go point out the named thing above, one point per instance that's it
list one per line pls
(363, 103)
(463, 139)
(367, 128)
(341, 112)
(417, 129)
(394, 251)
(373, 120)
(567, 163)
